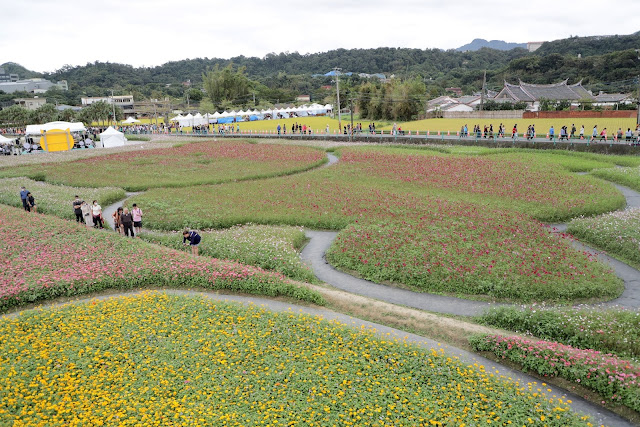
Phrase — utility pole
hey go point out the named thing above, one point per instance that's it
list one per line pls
(351, 110)
(113, 104)
(337, 70)
(638, 103)
(484, 83)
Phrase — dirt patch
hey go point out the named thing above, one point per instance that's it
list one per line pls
(449, 330)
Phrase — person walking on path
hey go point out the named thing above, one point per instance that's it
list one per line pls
(77, 208)
(573, 130)
(96, 210)
(136, 212)
(23, 196)
(603, 135)
(594, 134)
(31, 203)
(126, 219)
(194, 240)
(85, 210)
(116, 220)
(551, 133)
(582, 132)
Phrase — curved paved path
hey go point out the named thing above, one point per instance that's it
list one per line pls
(599, 415)
(320, 241)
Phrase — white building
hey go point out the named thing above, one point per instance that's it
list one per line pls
(30, 103)
(123, 101)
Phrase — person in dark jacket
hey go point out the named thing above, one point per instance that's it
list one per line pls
(194, 240)
(126, 220)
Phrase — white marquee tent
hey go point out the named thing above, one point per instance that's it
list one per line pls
(112, 138)
(4, 140)
(37, 129)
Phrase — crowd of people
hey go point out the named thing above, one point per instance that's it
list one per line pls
(296, 128)
(487, 132)
(126, 222)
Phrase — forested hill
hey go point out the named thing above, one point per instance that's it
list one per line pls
(603, 60)
(589, 46)
(430, 63)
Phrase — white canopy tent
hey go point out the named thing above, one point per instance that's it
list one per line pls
(186, 120)
(131, 120)
(112, 138)
(4, 140)
(199, 120)
(37, 129)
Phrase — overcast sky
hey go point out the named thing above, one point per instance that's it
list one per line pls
(44, 35)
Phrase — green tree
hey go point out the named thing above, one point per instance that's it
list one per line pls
(195, 95)
(67, 115)
(226, 85)
(45, 113)
(15, 116)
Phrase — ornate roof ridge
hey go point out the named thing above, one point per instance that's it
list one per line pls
(562, 83)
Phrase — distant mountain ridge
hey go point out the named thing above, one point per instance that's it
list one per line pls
(478, 44)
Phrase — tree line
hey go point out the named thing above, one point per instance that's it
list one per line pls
(18, 116)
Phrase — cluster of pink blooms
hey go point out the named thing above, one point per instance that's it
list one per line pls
(52, 257)
(610, 375)
(282, 155)
(489, 176)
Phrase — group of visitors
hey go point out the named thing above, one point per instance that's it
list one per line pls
(296, 128)
(88, 214)
(28, 201)
(124, 221)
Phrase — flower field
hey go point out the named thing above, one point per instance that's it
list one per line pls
(195, 163)
(50, 257)
(618, 233)
(170, 360)
(616, 379)
(436, 222)
(55, 199)
(543, 189)
(612, 330)
(268, 247)
(491, 253)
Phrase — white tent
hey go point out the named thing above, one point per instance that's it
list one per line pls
(216, 115)
(186, 120)
(4, 140)
(131, 120)
(112, 138)
(199, 120)
(73, 127)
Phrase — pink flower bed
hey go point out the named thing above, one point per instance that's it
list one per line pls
(614, 378)
(43, 257)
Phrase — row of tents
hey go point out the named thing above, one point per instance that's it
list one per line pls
(252, 115)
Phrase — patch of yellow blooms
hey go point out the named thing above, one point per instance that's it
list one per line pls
(164, 360)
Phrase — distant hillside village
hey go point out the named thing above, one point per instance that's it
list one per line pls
(515, 97)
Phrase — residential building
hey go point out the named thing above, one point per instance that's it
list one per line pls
(123, 101)
(532, 94)
(30, 103)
